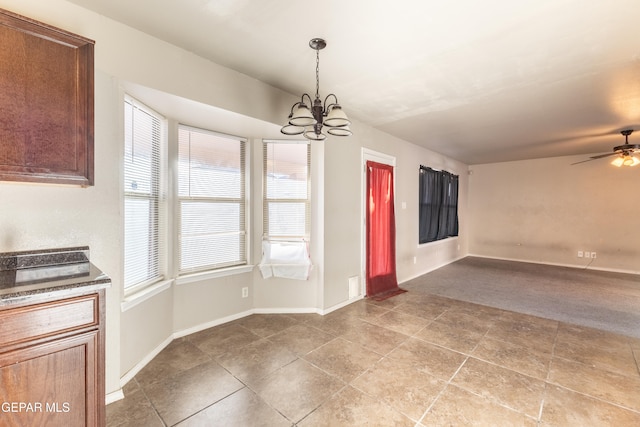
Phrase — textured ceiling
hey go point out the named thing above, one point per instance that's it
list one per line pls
(480, 82)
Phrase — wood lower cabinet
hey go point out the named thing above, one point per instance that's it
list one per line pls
(52, 362)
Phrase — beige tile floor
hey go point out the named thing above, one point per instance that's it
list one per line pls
(414, 360)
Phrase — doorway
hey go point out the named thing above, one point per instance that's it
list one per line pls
(378, 248)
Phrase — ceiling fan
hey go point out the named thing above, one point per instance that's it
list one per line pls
(625, 152)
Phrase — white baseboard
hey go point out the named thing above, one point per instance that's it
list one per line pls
(577, 266)
(114, 396)
(145, 360)
(117, 395)
(430, 269)
(340, 305)
(211, 324)
(287, 310)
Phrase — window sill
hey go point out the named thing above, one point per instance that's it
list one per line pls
(144, 294)
(439, 242)
(213, 274)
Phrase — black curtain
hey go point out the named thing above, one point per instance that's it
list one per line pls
(438, 205)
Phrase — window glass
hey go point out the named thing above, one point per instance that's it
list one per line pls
(211, 190)
(142, 243)
(286, 189)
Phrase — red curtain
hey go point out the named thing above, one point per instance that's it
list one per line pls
(381, 231)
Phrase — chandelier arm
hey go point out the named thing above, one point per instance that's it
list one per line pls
(308, 96)
(292, 108)
(327, 105)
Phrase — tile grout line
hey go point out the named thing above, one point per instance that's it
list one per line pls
(547, 380)
(152, 405)
(467, 357)
(214, 403)
(448, 383)
(599, 399)
(635, 358)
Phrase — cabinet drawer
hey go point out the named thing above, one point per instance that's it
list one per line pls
(41, 320)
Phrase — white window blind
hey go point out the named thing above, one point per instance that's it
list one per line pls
(142, 246)
(286, 189)
(212, 197)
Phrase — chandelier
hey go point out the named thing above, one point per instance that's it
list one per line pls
(316, 119)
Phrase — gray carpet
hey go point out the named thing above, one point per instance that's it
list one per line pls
(598, 299)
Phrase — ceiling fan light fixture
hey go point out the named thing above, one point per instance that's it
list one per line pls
(625, 153)
(626, 159)
(618, 161)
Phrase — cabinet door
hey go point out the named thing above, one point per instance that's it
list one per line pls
(46, 100)
(50, 384)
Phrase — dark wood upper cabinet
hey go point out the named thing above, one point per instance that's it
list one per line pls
(46, 103)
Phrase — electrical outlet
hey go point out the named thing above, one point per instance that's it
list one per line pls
(593, 254)
(587, 254)
(415, 260)
(580, 254)
(245, 292)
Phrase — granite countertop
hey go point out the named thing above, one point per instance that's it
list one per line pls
(47, 273)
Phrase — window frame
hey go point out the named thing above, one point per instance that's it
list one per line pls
(160, 180)
(244, 200)
(443, 205)
(266, 201)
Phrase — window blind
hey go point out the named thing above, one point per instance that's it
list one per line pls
(212, 199)
(142, 246)
(286, 205)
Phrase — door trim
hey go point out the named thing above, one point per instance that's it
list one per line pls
(375, 156)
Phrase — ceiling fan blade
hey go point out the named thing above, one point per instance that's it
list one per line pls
(582, 161)
(599, 156)
(603, 155)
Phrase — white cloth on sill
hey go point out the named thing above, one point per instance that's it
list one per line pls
(285, 259)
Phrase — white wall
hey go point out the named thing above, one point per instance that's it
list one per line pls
(343, 210)
(39, 216)
(546, 211)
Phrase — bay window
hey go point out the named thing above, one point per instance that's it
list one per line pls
(212, 198)
(143, 135)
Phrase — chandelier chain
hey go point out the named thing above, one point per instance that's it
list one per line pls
(317, 73)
